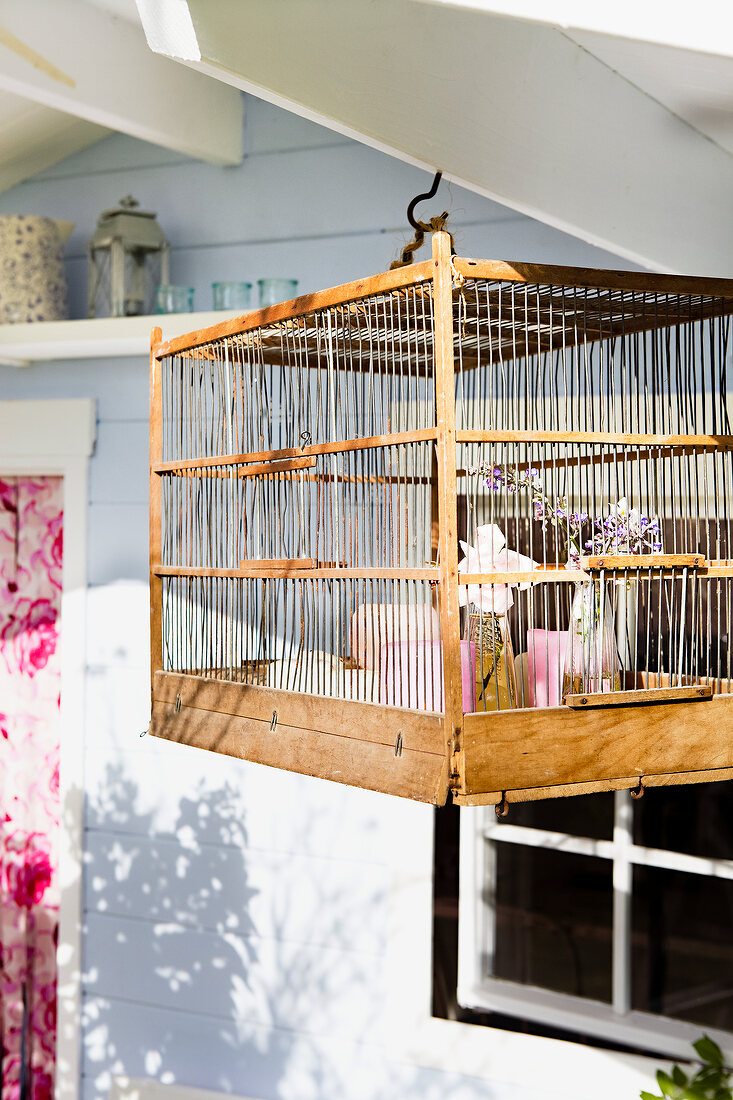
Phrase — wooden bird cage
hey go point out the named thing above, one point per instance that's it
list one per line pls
(462, 528)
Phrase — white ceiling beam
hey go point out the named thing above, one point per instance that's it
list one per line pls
(705, 26)
(74, 57)
(512, 109)
(33, 138)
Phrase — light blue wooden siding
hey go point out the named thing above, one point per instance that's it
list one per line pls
(235, 915)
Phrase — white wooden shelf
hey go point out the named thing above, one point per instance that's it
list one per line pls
(105, 337)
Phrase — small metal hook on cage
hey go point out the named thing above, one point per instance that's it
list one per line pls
(305, 439)
(501, 809)
(398, 745)
(273, 722)
(178, 704)
(638, 791)
(418, 226)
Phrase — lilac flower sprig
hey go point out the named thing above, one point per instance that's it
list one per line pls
(624, 530)
(556, 513)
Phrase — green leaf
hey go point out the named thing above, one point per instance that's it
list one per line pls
(709, 1079)
(651, 1096)
(709, 1051)
(678, 1076)
(667, 1085)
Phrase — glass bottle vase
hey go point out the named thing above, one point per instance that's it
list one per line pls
(494, 681)
(591, 662)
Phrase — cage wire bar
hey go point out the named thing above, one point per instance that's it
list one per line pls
(462, 528)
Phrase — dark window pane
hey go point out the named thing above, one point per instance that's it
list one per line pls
(682, 946)
(584, 815)
(553, 920)
(697, 820)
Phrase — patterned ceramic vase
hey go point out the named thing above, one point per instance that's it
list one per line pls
(32, 278)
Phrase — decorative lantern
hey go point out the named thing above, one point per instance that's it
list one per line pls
(128, 259)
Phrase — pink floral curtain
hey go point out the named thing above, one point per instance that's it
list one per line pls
(31, 539)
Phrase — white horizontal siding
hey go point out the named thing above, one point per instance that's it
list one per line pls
(334, 210)
(119, 473)
(229, 974)
(222, 887)
(236, 915)
(211, 205)
(270, 1063)
(119, 386)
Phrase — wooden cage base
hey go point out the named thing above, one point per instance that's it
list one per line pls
(386, 749)
(557, 751)
(628, 783)
(519, 755)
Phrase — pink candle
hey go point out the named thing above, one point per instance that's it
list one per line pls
(545, 659)
(412, 675)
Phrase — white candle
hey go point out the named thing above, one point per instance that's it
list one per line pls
(373, 625)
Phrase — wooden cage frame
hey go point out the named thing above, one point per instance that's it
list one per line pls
(478, 758)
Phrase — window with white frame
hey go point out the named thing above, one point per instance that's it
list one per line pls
(602, 916)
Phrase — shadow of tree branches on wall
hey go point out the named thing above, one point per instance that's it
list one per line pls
(221, 966)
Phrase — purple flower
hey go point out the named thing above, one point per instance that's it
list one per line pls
(623, 528)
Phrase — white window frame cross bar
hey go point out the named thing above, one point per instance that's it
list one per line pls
(615, 1022)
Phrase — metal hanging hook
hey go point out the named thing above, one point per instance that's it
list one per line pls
(434, 225)
(501, 809)
(419, 198)
(638, 792)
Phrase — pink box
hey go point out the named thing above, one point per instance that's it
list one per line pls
(412, 675)
(545, 659)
